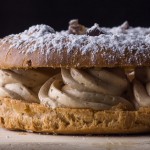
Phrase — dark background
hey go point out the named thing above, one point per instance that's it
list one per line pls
(18, 15)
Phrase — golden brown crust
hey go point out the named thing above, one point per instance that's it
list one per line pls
(18, 115)
(39, 47)
(11, 58)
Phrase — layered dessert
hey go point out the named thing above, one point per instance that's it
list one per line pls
(78, 81)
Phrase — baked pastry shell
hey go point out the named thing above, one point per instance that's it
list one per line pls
(18, 115)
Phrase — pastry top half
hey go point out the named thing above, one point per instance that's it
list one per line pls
(93, 64)
(41, 46)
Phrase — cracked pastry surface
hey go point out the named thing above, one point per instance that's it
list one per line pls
(38, 118)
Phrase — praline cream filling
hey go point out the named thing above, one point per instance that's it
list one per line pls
(22, 84)
(96, 88)
(141, 86)
(99, 89)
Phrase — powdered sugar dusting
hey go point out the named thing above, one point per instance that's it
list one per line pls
(35, 34)
(116, 39)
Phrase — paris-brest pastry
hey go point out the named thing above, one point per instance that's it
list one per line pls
(78, 81)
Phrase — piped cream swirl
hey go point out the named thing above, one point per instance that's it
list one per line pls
(99, 89)
(141, 86)
(22, 84)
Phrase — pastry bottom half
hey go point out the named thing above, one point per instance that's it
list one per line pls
(19, 115)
